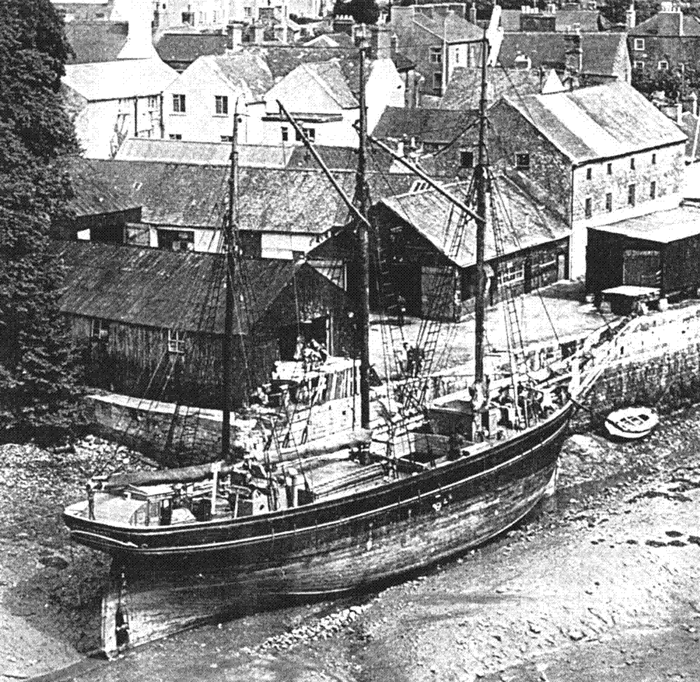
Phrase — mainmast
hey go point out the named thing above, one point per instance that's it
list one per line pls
(363, 238)
(480, 184)
(227, 343)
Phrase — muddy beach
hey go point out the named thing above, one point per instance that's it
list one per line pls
(601, 584)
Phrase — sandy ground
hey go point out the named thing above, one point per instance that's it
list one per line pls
(600, 586)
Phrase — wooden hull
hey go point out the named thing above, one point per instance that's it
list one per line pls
(176, 577)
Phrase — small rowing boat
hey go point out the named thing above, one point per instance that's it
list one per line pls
(631, 423)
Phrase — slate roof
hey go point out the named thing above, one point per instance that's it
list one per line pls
(668, 24)
(690, 125)
(96, 41)
(449, 27)
(598, 122)
(661, 226)
(331, 40)
(600, 50)
(185, 48)
(119, 79)
(464, 89)
(242, 68)
(335, 158)
(428, 125)
(435, 218)
(93, 196)
(270, 200)
(587, 20)
(163, 289)
(201, 153)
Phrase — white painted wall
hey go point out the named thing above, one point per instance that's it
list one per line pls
(385, 88)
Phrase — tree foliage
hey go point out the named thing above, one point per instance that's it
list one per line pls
(362, 11)
(37, 375)
(615, 11)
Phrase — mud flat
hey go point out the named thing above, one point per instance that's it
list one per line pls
(600, 586)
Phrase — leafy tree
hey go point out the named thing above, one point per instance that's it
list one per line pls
(37, 375)
(616, 10)
(362, 11)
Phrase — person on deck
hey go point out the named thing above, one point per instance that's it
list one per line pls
(90, 489)
(400, 309)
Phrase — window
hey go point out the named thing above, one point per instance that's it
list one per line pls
(652, 190)
(466, 159)
(589, 207)
(609, 169)
(522, 161)
(310, 134)
(178, 104)
(176, 240)
(248, 11)
(227, 138)
(100, 329)
(589, 173)
(456, 55)
(175, 136)
(512, 272)
(632, 195)
(437, 83)
(152, 103)
(653, 159)
(285, 133)
(639, 44)
(176, 341)
(663, 65)
(221, 105)
(435, 55)
(638, 65)
(608, 202)
(632, 163)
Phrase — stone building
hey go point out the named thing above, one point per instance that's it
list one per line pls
(668, 41)
(595, 155)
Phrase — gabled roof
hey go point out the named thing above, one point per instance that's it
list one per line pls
(600, 50)
(464, 89)
(93, 196)
(184, 48)
(201, 153)
(242, 68)
(331, 40)
(315, 87)
(598, 122)
(436, 219)
(270, 200)
(690, 125)
(565, 19)
(668, 24)
(164, 289)
(119, 79)
(449, 27)
(427, 125)
(96, 41)
(335, 158)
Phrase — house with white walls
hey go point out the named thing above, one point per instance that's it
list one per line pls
(109, 101)
(199, 105)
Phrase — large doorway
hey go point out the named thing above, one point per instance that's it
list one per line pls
(318, 329)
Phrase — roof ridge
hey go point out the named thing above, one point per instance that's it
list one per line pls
(322, 82)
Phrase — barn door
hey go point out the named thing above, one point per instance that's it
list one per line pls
(641, 268)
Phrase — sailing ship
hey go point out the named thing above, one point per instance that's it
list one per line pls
(191, 545)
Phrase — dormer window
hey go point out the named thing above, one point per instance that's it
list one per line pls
(639, 44)
(100, 329)
(522, 161)
(176, 341)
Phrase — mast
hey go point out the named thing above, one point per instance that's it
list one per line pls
(363, 239)
(480, 183)
(227, 342)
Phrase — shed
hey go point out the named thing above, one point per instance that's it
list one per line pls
(660, 250)
(151, 321)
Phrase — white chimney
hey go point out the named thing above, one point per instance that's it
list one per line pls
(139, 40)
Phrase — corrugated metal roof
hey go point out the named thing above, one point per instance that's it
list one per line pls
(598, 122)
(528, 223)
(202, 153)
(464, 89)
(428, 125)
(163, 289)
(119, 79)
(661, 226)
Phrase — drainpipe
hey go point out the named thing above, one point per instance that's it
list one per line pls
(136, 116)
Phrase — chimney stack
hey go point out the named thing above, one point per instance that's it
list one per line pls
(235, 34)
(630, 17)
(139, 39)
(380, 42)
(472, 13)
